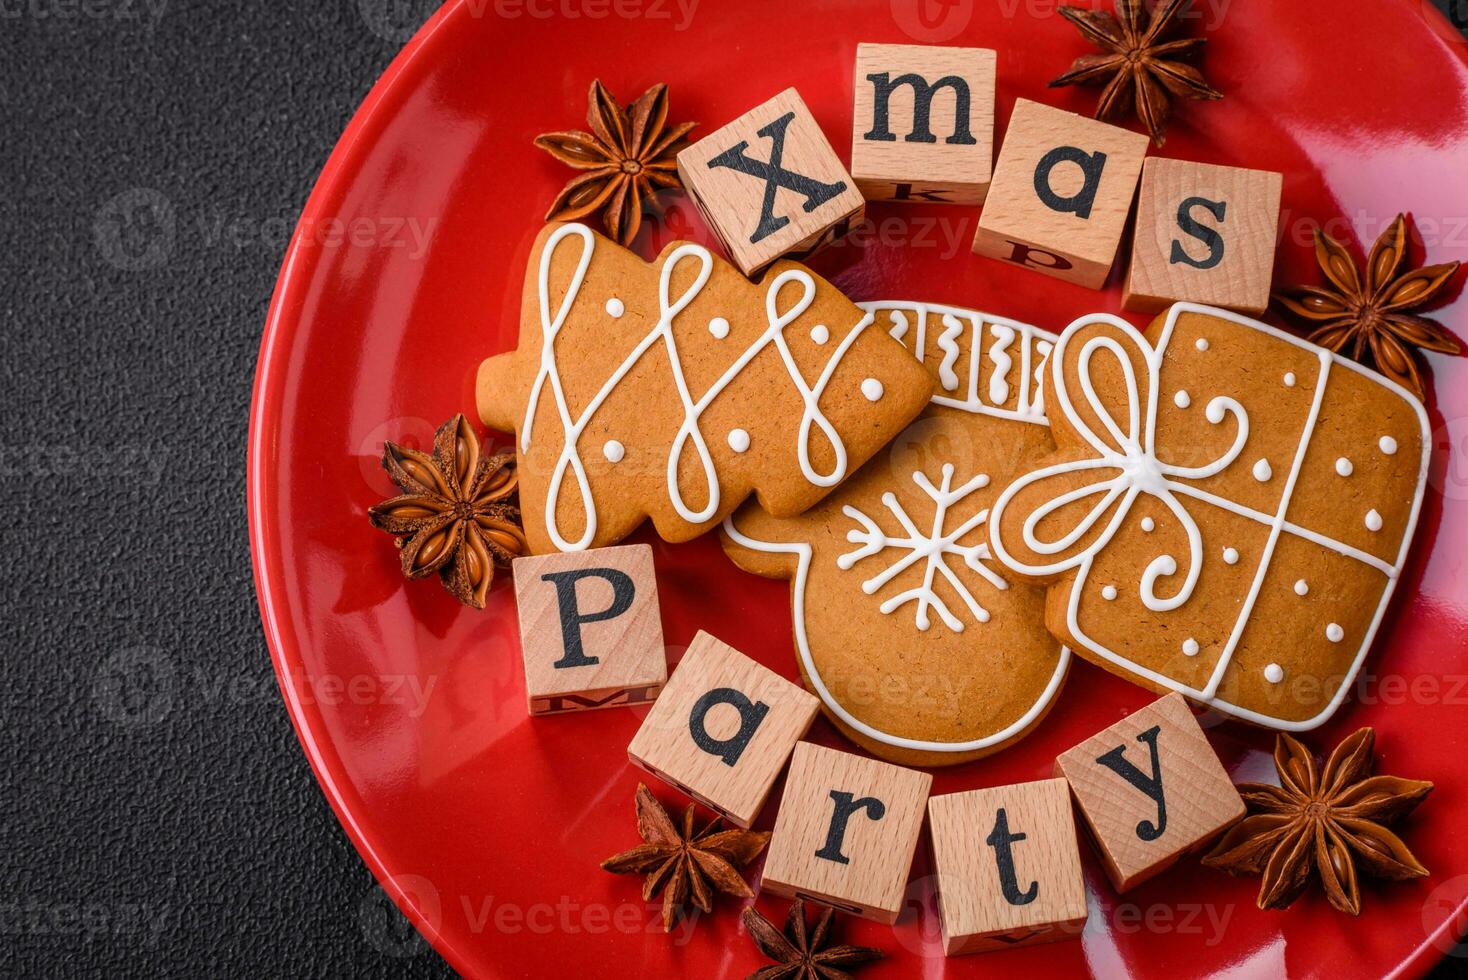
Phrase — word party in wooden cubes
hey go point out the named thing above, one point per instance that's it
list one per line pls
(770, 185)
(846, 833)
(590, 629)
(1061, 195)
(1008, 865)
(723, 728)
(1204, 234)
(1151, 789)
(923, 126)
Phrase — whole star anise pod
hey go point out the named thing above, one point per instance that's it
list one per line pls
(628, 156)
(683, 864)
(1137, 66)
(457, 515)
(1357, 315)
(1327, 821)
(801, 953)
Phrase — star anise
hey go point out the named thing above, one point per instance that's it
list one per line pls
(683, 864)
(1357, 316)
(1331, 822)
(801, 953)
(628, 156)
(457, 515)
(1137, 65)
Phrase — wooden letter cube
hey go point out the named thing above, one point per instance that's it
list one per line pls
(723, 728)
(846, 833)
(1150, 789)
(923, 129)
(1205, 234)
(590, 629)
(1008, 866)
(1062, 191)
(769, 184)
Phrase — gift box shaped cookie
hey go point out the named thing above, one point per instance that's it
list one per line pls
(676, 389)
(922, 649)
(1227, 514)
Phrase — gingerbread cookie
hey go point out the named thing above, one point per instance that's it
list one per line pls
(674, 390)
(1227, 514)
(922, 649)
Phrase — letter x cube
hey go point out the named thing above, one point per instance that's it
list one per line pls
(770, 185)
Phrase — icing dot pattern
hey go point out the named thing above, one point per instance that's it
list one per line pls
(613, 451)
(1274, 673)
(1108, 592)
(1231, 556)
(738, 440)
(1373, 520)
(820, 333)
(615, 308)
(872, 389)
(1302, 587)
(1190, 647)
(1387, 445)
(1182, 399)
(1344, 466)
(1334, 633)
(719, 327)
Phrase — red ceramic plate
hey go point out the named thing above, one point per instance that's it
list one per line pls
(486, 826)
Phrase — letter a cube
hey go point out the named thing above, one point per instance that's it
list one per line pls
(923, 129)
(1151, 790)
(722, 729)
(770, 185)
(846, 833)
(1062, 192)
(590, 629)
(1009, 866)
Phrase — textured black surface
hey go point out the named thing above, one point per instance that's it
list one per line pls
(158, 815)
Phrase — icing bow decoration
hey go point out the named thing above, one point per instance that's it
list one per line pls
(1126, 466)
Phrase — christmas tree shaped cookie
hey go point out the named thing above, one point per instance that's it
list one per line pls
(675, 390)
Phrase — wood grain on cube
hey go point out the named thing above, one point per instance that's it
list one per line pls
(1009, 866)
(723, 728)
(846, 832)
(590, 629)
(1205, 234)
(923, 125)
(775, 147)
(1061, 195)
(1151, 789)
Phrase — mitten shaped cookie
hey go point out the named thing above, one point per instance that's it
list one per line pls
(674, 390)
(1227, 514)
(922, 649)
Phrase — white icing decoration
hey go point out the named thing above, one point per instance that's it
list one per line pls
(1148, 525)
(948, 344)
(1387, 445)
(1344, 467)
(1190, 647)
(931, 548)
(998, 353)
(1128, 450)
(1201, 343)
(613, 451)
(1289, 379)
(1108, 592)
(1334, 633)
(719, 327)
(872, 389)
(1231, 556)
(1373, 520)
(898, 330)
(1274, 673)
(738, 440)
(1302, 587)
(552, 321)
(1263, 471)
(820, 333)
(1182, 399)
(615, 308)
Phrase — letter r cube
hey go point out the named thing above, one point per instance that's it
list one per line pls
(722, 729)
(590, 629)
(1150, 789)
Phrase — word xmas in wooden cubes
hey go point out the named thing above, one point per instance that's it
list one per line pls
(590, 629)
(846, 833)
(1061, 195)
(923, 127)
(722, 729)
(770, 185)
(1151, 790)
(1009, 866)
(1205, 234)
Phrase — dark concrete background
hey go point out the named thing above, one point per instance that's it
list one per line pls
(158, 815)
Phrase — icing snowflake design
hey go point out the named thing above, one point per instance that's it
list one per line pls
(933, 548)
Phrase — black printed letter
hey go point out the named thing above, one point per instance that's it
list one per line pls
(922, 105)
(775, 176)
(1003, 841)
(1116, 761)
(1208, 236)
(751, 713)
(1080, 202)
(572, 618)
(836, 833)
